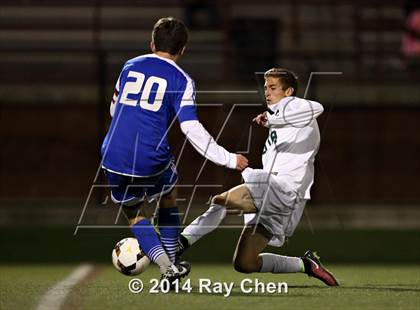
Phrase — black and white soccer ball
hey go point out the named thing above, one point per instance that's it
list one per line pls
(128, 258)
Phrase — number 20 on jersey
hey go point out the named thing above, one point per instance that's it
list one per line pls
(145, 87)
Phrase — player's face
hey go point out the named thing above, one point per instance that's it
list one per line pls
(273, 90)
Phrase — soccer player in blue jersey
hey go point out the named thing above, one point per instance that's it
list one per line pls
(152, 91)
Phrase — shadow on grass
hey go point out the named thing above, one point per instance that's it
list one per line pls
(238, 293)
(385, 289)
(361, 288)
(241, 294)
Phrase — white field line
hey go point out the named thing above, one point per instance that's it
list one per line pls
(54, 298)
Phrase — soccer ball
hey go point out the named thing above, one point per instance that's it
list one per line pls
(128, 258)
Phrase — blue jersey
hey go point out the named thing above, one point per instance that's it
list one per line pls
(150, 93)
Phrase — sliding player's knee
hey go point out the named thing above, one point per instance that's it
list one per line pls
(246, 264)
(219, 199)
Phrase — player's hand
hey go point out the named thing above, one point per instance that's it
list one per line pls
(241, 162)
(261, 119)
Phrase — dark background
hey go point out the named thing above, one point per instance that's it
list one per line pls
(59, 63)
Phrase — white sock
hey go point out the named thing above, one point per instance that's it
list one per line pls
(164, 262)
(205, 223)
(281, 264)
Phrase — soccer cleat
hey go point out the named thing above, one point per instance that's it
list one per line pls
(182, 246)
(185, 266)
(176, 272)
(314, 268)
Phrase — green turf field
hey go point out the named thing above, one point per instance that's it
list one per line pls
(363, 287)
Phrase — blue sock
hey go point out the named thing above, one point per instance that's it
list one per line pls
(148, 239)
(169, 227)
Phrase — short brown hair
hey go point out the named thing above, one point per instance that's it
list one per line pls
(169, 35)
(287, 78)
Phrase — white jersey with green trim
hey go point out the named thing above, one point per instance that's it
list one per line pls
(293, 141)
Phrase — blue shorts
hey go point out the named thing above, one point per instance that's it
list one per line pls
(130, 191)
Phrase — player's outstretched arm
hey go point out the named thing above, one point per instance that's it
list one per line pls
(261, 119)
(204, 143)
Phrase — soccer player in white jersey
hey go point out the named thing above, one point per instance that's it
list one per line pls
(272, 198)
(151, 92)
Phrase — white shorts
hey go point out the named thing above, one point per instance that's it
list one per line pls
(279, 205)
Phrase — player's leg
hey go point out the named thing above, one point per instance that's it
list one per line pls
(169, 223)
(152, 245)
(249, 258)
(145, 233)
(237, 200)
(128, 193)
(234, 201)
(165, 192)
(251, 243)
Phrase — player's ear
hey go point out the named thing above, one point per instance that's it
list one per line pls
(182, 51)
(152, 46)
(289, 91)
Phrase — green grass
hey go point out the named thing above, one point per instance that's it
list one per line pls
(21, 286)
(362, 287)
(60, 246)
